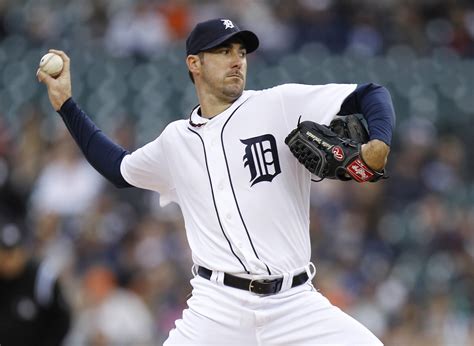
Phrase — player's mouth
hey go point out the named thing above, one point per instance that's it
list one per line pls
(237, 75)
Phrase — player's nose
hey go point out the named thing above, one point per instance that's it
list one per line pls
(236, 57)
(236, 62)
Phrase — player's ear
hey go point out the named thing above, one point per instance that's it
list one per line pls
(194, 63)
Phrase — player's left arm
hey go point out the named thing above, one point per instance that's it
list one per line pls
(375, 104)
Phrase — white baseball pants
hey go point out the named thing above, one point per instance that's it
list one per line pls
(221, 315)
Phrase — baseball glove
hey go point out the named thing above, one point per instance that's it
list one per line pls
(333, 151)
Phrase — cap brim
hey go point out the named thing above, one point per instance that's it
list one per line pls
(249, 39)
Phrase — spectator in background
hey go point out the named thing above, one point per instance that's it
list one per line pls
(139, 31)
(12, 199)
(177, 14)
(32, 308)
(110, 315)
(65, 171)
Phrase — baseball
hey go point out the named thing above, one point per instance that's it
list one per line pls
(52, 64)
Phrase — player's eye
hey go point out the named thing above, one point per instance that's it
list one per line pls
(243, 53)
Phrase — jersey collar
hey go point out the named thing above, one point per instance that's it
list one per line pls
(197, 120)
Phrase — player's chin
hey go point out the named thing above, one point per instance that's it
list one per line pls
(234, 89)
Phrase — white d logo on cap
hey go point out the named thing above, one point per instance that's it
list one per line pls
(227, 23)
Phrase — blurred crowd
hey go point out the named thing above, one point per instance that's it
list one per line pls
(397, 255)
(146, 27)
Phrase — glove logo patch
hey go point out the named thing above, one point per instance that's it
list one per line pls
(359, 171)
(338, 153)
(261, 157)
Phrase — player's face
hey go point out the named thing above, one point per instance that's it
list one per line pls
(224, 70)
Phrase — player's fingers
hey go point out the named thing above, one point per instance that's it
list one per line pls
(66, 60)
(43, 77)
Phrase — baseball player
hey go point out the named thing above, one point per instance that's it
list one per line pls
(243, 195)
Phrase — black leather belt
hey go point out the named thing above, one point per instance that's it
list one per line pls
(262, 286)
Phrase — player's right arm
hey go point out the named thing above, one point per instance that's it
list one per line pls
(147, 167)
(103, 154)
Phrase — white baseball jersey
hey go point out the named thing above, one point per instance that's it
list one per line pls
(243, 195)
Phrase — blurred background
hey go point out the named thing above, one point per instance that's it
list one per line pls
(396, 255)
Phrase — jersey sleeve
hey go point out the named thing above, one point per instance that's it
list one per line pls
(148, 168)
(319, 103)
(375, 104)
(101, 152)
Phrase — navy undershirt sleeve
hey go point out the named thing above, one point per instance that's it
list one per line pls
(375, 104)
(103, 154)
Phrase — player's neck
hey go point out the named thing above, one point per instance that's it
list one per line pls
(211, 111)
(212, 105)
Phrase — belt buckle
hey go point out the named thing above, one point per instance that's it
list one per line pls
(251, 285)
(276, 283)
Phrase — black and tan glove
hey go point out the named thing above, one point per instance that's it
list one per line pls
(333, 151)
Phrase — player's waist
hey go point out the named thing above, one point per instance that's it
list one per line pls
(259, 285)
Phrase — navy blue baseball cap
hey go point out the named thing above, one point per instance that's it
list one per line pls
(212, 33)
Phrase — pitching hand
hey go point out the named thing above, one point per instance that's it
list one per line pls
(59, 88)
(375, 154)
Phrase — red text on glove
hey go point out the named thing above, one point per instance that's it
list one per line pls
(359, 171)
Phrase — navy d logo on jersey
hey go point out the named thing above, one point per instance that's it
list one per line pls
(261, 156)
